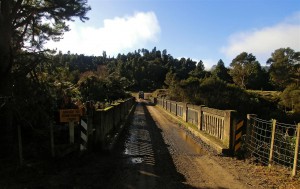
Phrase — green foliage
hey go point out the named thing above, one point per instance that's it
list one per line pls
(28, 74)
(218, 94)
(221, 72)
(290, 98)
(27, 25)
(285, 67)
(172, 82)
(199, 71)
(244, 68)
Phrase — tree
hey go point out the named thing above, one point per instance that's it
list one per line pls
(221, 72)
(290, 98)
(259, 79)
(27, 25)
(243, 67)
(199, 71)
(285, 67)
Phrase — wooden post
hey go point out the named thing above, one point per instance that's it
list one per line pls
(250, 131)
(272, 142)
(71, 132)
(52, 140)
(296, 151)
(20, 145)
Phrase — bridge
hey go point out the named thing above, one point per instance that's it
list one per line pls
(149, 144)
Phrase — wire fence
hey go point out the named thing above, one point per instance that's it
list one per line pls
(271, 142)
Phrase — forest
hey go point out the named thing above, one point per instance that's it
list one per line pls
(102, 79)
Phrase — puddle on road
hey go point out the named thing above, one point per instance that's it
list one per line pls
(191, 142)
(137, 160)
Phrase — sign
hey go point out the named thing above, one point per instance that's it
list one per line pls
(69, 115)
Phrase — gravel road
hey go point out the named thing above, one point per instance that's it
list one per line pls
(164, 156)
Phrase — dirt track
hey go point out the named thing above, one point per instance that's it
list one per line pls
(161, 155)
(153, 152)
(199, 168)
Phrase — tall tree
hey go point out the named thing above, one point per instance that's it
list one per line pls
(221, 72)
(243, 67)
(285, 67)
(25, 25)
(199, 71)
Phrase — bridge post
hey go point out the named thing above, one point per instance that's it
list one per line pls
(200, 112)
(184, 112)
(229, 128)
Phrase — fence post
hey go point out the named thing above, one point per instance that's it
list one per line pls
(20, 145)
(272, 142)
(296, 151)
(249, 130)
(83, 134)
(52, 139)
(71, 132)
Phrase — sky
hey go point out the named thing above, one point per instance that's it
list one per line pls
(207, 30)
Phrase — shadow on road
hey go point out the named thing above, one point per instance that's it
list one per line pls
(168, 177)
(147, 163)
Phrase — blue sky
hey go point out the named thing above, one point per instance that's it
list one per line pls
(206, 30)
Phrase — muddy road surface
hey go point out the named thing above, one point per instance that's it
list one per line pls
(160, 154)
(153, 152)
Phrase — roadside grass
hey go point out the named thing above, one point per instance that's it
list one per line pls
(271, 96)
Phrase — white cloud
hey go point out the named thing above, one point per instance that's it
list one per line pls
(262, 42)
(117, 35)
(208, 63)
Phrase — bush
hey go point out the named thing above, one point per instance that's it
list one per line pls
(290, 98)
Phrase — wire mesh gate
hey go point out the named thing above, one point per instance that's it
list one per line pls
(271, 142)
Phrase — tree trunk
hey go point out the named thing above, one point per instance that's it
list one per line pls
(5, 47)
(5, 73)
